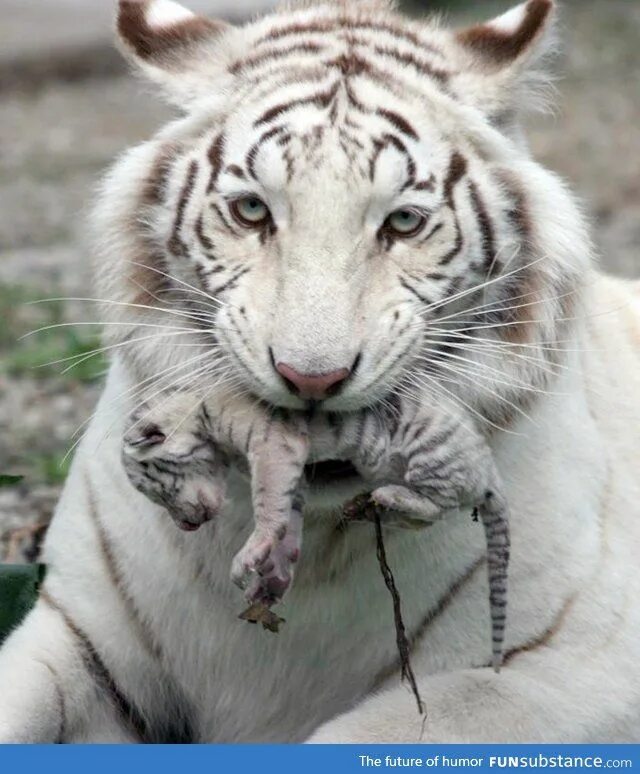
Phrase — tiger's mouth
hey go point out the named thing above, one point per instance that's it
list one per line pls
(329, 472)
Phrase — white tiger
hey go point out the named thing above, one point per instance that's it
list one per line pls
(347, 206)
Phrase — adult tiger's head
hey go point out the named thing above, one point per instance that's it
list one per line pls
(346, 206)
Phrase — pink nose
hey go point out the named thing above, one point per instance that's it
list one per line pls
(312, 386)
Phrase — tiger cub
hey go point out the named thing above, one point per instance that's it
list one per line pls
(420, 461)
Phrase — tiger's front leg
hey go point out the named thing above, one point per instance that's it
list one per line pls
(170, 456)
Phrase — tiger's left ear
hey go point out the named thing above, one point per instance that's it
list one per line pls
(502, 58)
(170, 44)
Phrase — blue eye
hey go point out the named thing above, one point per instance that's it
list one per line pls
(250, 211)
(405, 222)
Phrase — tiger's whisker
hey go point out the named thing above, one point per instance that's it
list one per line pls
(80, 358)
(101, 323)
(164, 310)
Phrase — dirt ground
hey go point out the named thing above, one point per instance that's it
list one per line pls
(57, 135)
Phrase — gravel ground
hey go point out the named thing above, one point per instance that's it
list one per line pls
(57, 136)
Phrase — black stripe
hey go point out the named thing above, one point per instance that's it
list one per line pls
(96, 667)
(321, 100)
(234, 169)
(271, 55)
(457, 170)
(230, 283)
(176, 245)
(146, 637)
(433, 231)
(416, 293)
(401, 35)
(216, 152)
(485, 224)
(418, 63)
(202, 237)
(253, 151)
(223, 218)
(380, 145)
(457, 247)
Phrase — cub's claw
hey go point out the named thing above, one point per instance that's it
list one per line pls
(264, 566)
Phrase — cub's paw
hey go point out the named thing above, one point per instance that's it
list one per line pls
(396, 506)
(402, 500)
(264, 567)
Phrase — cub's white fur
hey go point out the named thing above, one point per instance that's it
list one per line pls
(136, 636)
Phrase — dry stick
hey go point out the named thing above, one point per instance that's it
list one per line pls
(361, 507)
(401, 636)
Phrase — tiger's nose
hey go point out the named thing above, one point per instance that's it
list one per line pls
(312, 386)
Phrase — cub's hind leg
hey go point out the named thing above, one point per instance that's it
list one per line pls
(170, 456)
(440, 462)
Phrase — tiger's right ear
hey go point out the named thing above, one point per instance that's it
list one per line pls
(170, 44)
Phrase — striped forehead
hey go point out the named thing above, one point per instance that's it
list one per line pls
(307, 142)
(305, 45)
(334, 89)
(345, 123)
(305, 72)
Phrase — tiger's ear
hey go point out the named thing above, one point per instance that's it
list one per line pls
(504, 57)
(170, 44)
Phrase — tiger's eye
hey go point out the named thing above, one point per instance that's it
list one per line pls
(405, 222)
(250, 211)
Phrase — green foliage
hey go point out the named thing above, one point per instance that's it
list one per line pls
(6, 480)
(34, 353)
(19, 589)
(51, 468)
(30, 355)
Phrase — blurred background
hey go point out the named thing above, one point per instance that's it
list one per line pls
(68, 107)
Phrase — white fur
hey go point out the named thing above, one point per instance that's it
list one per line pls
(165, 13)
(570, 473)
(511, 20)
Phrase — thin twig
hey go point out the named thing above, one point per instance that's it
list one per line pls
(363, 507)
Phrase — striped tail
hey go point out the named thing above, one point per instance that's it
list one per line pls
(494, 514)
